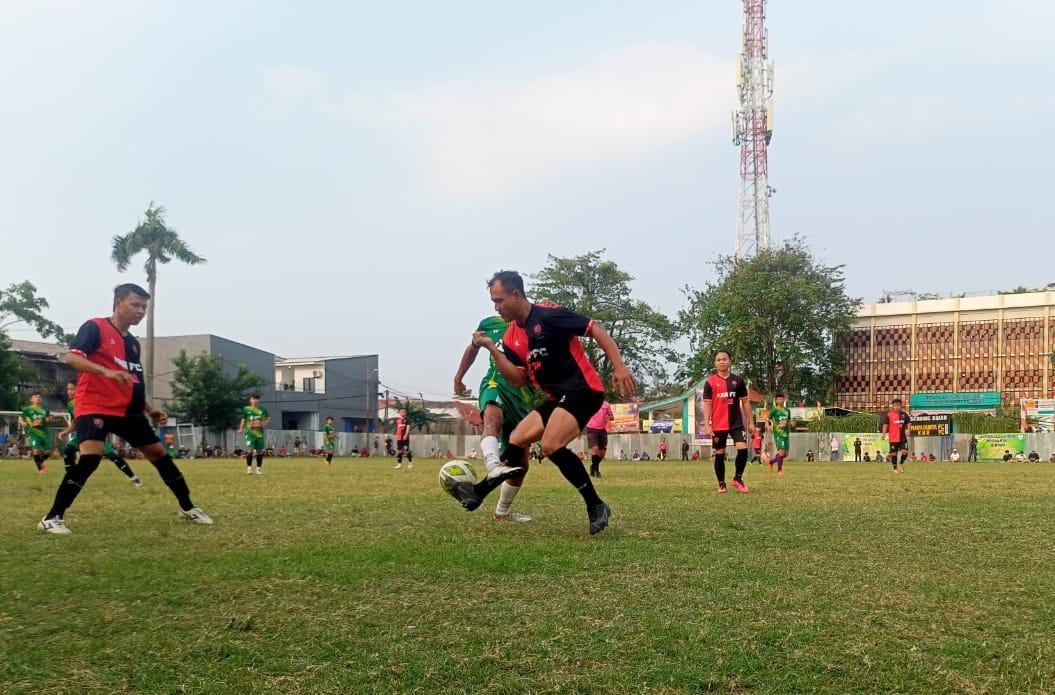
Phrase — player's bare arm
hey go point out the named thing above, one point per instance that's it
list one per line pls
(468, 358)
(160, 417)
(241, 425)
(512, 373)
(83, 364)
(708, 431)
(749, 417)
(621, 376)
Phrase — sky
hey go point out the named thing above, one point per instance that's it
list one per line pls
(355, 171)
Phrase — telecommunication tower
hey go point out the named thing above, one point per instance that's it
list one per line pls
(752, 131)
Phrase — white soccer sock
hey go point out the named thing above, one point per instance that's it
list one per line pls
(489, 447)
(506, 497)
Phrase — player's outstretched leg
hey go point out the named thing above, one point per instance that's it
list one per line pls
(570, 466)
(72, 484)
(259, 461)
(123, 466)
(741, 466)
(719, 470)
(69, 456)
(472, 496)
(249, 463)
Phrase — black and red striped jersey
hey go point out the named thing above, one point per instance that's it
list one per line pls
(99, 341)
(402, 428)
(895, 424)
(547, 346)
(724, 395)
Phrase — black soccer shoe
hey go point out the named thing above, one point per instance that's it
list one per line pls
(599, 515)
(466, 495)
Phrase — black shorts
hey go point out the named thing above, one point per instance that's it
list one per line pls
(738, 434)
(597, 438)
(898, 446)
(582, 405)
(134, 429)
(402, 444)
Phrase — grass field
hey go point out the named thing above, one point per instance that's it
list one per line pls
(364, 579)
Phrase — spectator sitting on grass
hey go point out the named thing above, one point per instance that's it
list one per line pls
(1007, 456)
(1051, 458)
(636, 456)
(809, 456)
(696, 455)
(1020, 457)
(645, 456)
(954, 456)
(1034, 457)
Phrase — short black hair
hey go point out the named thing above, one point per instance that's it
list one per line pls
(898, 401)
(782, 394)
(330, 417)
(510, 279)
(122, 291)
(727, 353)
(36, 393)
(71, 382)
(254, 395)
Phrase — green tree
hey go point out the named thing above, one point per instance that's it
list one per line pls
(596, 287)
(421, 418)
(14, 373)
(19, 303)
(778, 314)
(161, 244)
(207, 396)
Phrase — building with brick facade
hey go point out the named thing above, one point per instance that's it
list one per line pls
(1000, 343)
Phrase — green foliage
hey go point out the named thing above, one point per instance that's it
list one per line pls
(19, 303)
(13, 373)
(778, 314)
(858, 422)
(593, 286)
(204, 394)
(983, 423)
(421, 418)
(157, 239)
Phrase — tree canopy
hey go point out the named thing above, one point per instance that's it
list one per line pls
(207, 396)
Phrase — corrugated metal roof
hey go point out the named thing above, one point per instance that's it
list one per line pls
(37, 347)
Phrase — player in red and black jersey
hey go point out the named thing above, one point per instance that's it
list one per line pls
(727, 413)
(542, 344)
(110, 399)
(403, 440)
(895, 427)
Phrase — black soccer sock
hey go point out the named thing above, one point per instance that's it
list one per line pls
(39, 460)
(595, 464)
(172, 477)
(259, 460)
(72, 484)
(122, 465)
(570, 466)
(410, 457)
(329, 458)
(249, 458)
(719, 467)
(399, 457)
(69, 457)
(741, 464)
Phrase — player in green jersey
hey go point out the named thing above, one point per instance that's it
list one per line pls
(781, 422)
(34, 420)
(502, 407)
(69, 454)
(254, 419)
(329, 440)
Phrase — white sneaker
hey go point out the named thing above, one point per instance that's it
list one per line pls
(410, 465)
(259, 471)
(398, 465)
(511, 516)
(248, 470)
(136, 482)
(504, 472)
(54, 526)
(196, 515)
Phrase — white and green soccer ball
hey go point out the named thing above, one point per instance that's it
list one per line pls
(456, 471)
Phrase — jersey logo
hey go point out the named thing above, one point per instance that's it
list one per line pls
(537, 329)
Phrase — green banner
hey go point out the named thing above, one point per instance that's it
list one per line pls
(871, 442)
(991, 447)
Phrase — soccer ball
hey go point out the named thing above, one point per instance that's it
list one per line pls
(454, 472)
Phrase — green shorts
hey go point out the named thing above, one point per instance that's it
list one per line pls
(329, 445)
(254, 442)
(513, 402)
(781, 441)
(39, 441)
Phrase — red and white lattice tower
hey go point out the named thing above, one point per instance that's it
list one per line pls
(753, 129)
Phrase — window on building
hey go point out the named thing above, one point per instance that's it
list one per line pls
(309, 384)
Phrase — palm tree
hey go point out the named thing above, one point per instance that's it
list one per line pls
(421, 418)
(162, 244)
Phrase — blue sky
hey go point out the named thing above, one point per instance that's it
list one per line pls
(355, 171)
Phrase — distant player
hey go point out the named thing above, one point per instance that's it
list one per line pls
(727, 413)
(756, 447)
(895, 429)
(329, 440)
(781, 423)
(255, 418)
(403, 440)
(542, 344)
(34, 420)
(110, 398)
(502, 407)
(69, 454)
(597, 437)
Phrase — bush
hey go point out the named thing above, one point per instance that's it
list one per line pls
(858, 422)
